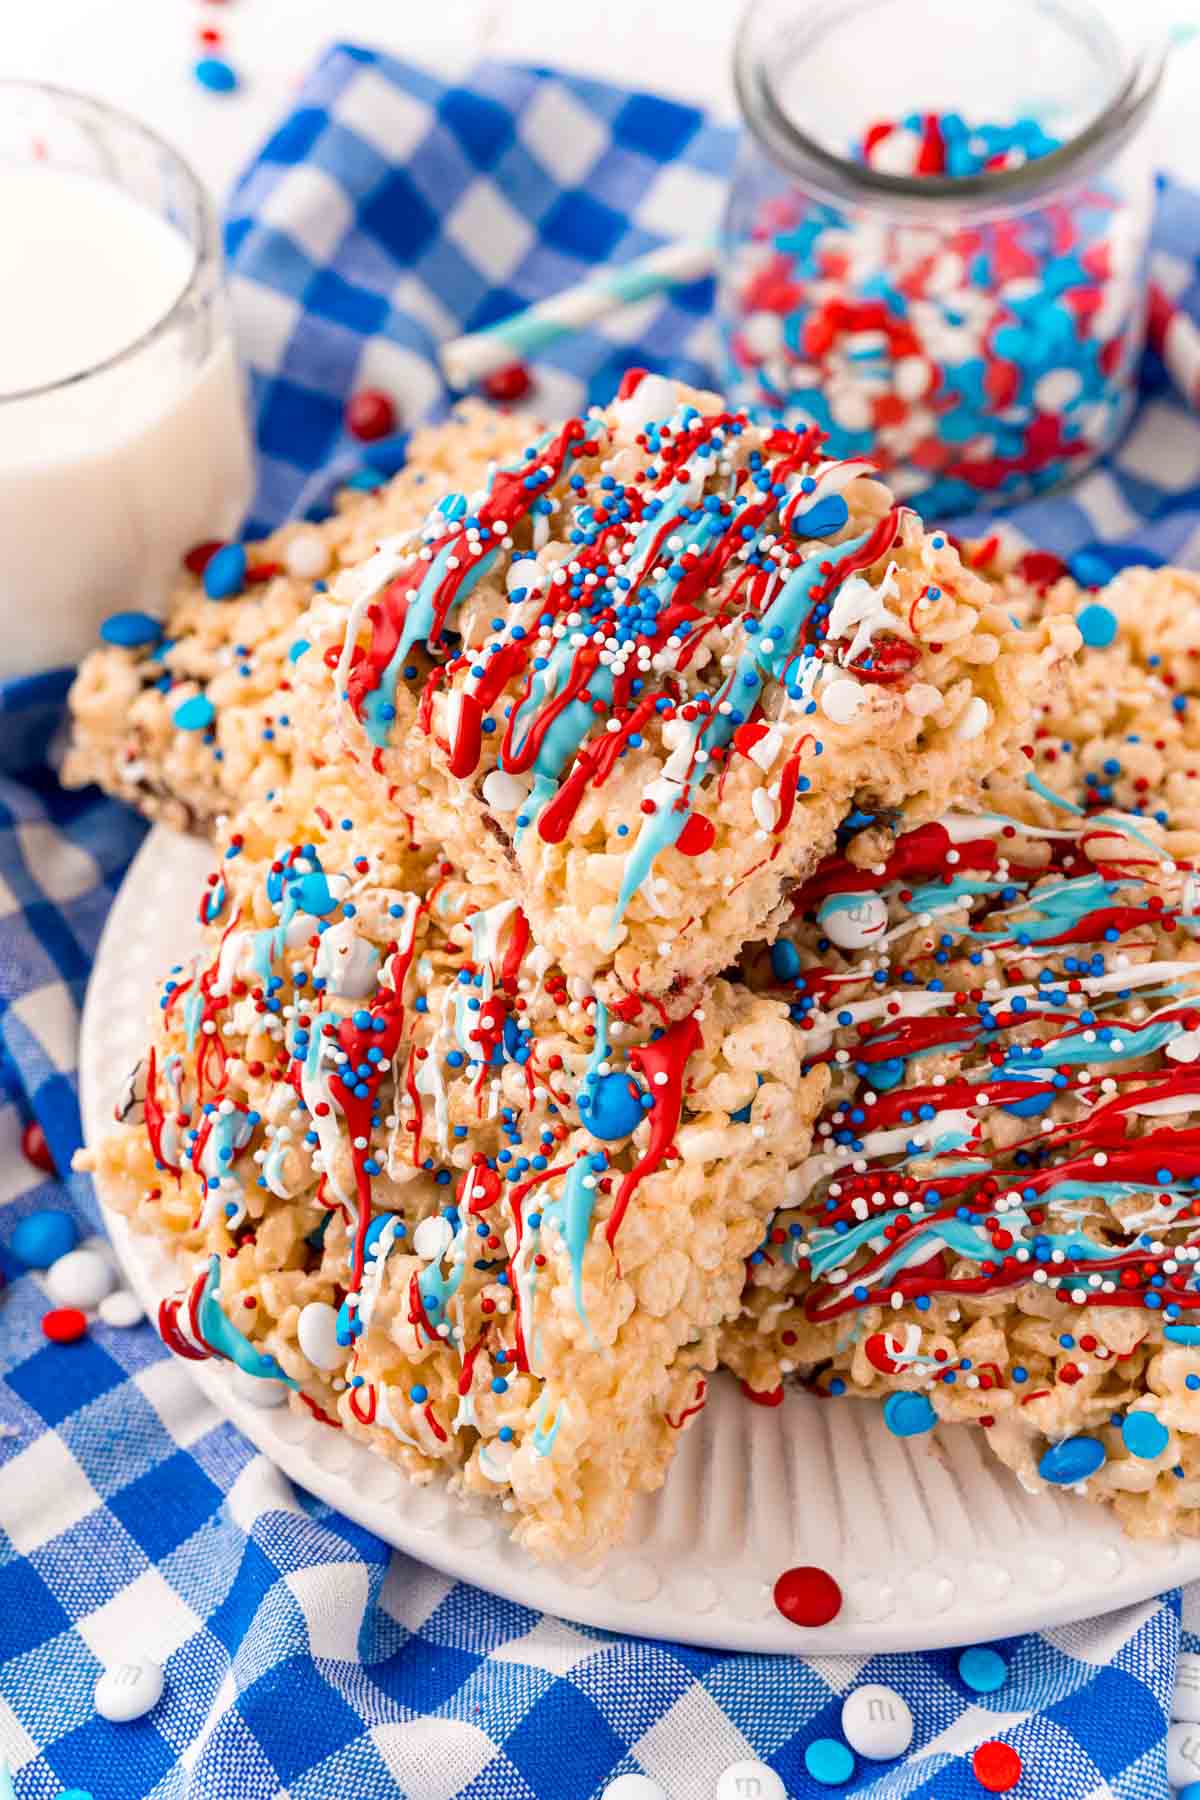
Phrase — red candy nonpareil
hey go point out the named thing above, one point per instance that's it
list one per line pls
(35, 1149)
(370, 415)
(808, 1596)
(64, 1325)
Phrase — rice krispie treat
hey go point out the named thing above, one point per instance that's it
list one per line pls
(409, 1167)
(186, 717)
(1122, 729)
(999, 1225)
(639, 678)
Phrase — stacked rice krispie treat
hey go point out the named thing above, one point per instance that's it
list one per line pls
(1000, 1224)
(476, 1220)
(454, 1122)
(187, 716)
(641, 680)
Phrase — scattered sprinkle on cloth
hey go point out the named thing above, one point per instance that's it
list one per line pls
(302, 1659)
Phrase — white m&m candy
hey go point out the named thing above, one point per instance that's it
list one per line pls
(633, 1787)
(1185, 1702)
(81, 1278)
(853, 920)
(306, 556)
(316, 1330)
(750, 1781)
(1183, 1754)
(433, 1238)
(128, 1690)
(877, 1723)
(121, 1309)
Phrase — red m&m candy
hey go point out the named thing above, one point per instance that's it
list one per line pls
(808, 1596)
(370, 414)
(35, 1149)
(64, 1324)
(509, 383)
(997, 1766)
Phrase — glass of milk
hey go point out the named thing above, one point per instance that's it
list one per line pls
(123, 436)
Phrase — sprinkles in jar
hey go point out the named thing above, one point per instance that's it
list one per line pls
(955, 290)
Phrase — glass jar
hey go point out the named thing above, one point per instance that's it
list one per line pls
(976, 334)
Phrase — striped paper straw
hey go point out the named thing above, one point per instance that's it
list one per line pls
(1176, 338)
(466, 359)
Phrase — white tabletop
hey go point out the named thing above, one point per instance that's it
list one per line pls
(138, 55)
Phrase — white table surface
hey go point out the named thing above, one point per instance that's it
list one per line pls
(137, 54)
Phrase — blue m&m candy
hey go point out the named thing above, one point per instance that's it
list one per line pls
(983, 1670)
(1097, 626)
(908, 1415)
(1073, 1460)
(225, 572)
(1144, 1435)
(785, 961)
(42, 1237)
(196, 713)
(614, 1106)
(131, 630)
(829, 1762)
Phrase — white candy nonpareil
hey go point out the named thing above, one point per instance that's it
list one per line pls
(316, 1330)
(852, 921)
(81, 1278)
(1185, 1702)
(877, 1723)
(750, 1781)
(128, 1690)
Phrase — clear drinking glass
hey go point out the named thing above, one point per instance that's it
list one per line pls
(123, 437)
(977, 336)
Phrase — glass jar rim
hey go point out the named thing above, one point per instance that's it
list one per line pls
(206, 248)
(845, 181)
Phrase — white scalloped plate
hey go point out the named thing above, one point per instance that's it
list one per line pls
(932, 1541)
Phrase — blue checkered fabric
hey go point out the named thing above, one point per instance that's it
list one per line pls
(302, 1659)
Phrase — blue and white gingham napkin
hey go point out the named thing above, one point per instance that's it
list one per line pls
(302, 1659)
